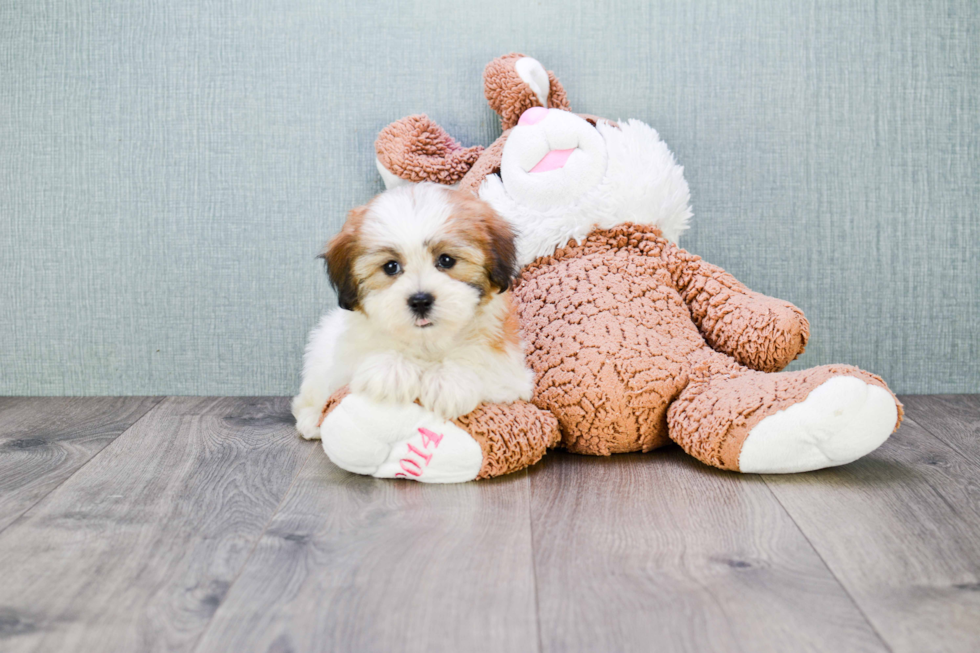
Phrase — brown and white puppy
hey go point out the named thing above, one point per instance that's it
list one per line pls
(422, 275)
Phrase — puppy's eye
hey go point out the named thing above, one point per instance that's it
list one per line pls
(445, 261)
(391, 268)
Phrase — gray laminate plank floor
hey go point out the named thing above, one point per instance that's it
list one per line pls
(44, 440)
(353, 563)
(656, 551)
(954, 419)
(136, 550)
(901, 531)
(205, 524)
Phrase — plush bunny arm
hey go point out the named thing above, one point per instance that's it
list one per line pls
(760, 332)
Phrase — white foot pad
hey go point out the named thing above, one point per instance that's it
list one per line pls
(841, 420)
(398, 441)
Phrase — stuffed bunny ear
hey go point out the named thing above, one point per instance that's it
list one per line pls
(514, 83)
(416, 149)
(489, 164)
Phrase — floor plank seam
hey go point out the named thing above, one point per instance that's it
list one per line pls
(255, 545)
(534, 564)
(823, 561)
(151, 408)
(949, 445)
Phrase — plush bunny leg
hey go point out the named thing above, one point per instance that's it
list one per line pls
(408, 441)
(782, 423)
(512, 436)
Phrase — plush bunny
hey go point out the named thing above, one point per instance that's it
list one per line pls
(634, 342)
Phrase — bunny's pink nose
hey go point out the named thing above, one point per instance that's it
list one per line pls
(532, 116)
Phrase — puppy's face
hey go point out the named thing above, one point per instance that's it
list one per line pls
(421, 259)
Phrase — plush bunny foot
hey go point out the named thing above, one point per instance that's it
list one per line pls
(787, 422)
(409, 441)
(843, 419)
(398, 441)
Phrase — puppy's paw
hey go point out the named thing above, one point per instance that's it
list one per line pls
(306, 423)
(387, 377)
(307, 409)
(450, 390)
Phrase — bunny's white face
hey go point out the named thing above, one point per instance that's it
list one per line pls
(552, 158)
(561, 177)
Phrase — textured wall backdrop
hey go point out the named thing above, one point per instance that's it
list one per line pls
(168, 170)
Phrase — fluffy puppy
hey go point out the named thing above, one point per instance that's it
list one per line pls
(422, 275)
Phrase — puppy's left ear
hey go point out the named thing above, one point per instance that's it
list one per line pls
(496, 236)
(502, 251)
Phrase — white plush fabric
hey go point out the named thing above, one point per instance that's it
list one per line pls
(841, 420)
(534, 75)
(560, 188)
(642, 183)
(393, 441)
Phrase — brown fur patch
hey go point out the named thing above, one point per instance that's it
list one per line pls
(510, 328)
(474, 218)
(340, 254)
(368, 269)
(470, 267)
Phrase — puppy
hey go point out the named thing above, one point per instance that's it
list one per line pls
(422, 275)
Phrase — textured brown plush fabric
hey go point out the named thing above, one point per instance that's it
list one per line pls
(615, 327)
(714, 414)
(509, 96)
(417, 149)
(512, 436)
(758, 331)
(487, 164)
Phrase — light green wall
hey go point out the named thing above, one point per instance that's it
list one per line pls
(168, 170)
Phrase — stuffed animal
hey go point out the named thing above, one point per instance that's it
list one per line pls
(634, 342)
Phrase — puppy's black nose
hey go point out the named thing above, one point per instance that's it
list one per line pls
(421, 303)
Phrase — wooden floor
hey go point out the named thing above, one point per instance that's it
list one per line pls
(202, 524)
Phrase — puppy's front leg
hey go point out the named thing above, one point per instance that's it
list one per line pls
(451, 390)
(387, 377)
(307, 408)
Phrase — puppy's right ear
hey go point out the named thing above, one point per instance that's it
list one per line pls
(340, 254)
